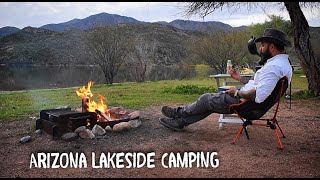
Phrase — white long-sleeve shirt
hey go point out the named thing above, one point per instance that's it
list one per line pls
(266, 78)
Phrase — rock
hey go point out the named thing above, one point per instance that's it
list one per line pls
(98, 130)
(78, 109)
(69, 136)
(62, 107)
(25, 139)
(80, 129)
(135, 123)
(38, 131)
(33, 118)
(86, 134)
(117, 110)
(134, 115)
(123, 126)
(108, 129)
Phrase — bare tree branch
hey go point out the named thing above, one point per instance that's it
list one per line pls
(140, 58)
(107, 47)
(205, 8)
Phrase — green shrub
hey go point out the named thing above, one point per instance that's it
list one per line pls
(304, 94)
(190, 89)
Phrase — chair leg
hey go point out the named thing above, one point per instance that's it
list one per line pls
(280, 130)
(271, 125)
(239, 132)
(279, 140)
(245, 130)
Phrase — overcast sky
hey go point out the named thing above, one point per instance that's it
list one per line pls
(36, 14)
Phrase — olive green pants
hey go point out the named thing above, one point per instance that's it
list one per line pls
(205, 105)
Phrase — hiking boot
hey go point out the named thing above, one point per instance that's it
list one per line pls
(174, 124)
(169, 112)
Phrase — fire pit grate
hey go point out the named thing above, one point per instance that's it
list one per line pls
(59, 121)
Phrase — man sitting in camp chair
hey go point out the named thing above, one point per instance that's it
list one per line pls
(275, 66)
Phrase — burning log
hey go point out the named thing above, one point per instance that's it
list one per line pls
(103, 115)
(84, 104)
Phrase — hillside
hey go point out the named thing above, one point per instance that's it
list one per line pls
(64, 43)
(7, 30)
(42, 46)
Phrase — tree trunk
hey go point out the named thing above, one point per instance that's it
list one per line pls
(107, 76)
(302, 45)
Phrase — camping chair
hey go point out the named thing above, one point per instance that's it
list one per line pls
(250, 110)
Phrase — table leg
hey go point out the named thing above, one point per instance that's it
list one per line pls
(218, 82)
(220, 121)
(224, 81)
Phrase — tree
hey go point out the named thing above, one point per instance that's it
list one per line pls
(302, 42)
(107, 46)
(141, 56)
(277, 22)
(220, 46)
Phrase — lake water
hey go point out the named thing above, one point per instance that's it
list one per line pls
(44, 77)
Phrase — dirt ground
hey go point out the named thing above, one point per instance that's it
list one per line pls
(258, 157)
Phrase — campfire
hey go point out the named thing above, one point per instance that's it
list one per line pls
(88, 105)
(64, 120)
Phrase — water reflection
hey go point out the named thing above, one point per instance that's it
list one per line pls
(44, 77)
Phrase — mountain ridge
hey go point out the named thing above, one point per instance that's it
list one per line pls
(89, 22)
(112, 19)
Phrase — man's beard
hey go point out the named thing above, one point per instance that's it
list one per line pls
(264, 57)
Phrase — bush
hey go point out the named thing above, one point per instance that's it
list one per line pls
(304, 94)
(190, 89)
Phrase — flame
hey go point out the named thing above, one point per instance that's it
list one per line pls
(85, 93)
(88, 124)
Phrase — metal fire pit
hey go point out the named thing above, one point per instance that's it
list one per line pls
(59, 121)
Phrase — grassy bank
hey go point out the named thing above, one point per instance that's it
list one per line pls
(23, 104)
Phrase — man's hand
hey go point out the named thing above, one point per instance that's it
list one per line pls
(232, 90)
(235, 74)
(248, 95)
